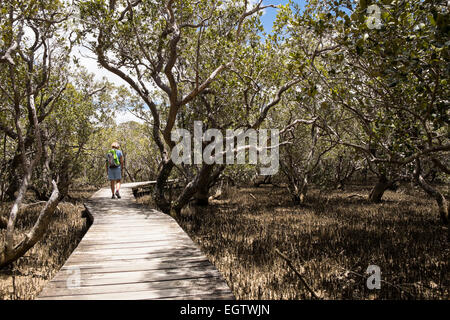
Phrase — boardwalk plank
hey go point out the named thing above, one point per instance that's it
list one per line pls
(171, 293)
(173, 254)
(185, 287)
(92, 259)
(133, 265)
(137, 276)
(125, 244)
(144, 267)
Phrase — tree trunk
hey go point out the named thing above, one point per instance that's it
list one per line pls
(432, 192)
(13, 179)
(64, 179)
(299, 191)
(438, 196)
(303, 190)
(200, 183)
(378, 190)
(202, 195)
(161, 182)
(12, 252)
(9, 239)
(292, 181)
(16, 170)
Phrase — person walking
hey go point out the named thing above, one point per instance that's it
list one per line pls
(114, 166)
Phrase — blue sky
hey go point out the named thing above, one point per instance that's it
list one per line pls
(269, 17)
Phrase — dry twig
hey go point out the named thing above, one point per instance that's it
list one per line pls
(314, 294)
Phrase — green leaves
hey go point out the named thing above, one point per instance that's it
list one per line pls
(431, 19)
(392, 80)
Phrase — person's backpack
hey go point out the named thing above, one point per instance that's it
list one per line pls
(113, 159)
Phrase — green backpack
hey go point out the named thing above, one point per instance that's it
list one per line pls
(113, 159)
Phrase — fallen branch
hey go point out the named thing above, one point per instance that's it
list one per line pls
(314, 294)
(216, 195)
(27, 205)
(356, 195)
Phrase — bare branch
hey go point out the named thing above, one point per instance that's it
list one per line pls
(128, 8)
(302, 279)
(274, 102)
(296, 122)
(7, 55)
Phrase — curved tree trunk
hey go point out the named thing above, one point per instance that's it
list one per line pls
(432, 192)
(201, 180)
(11, 252)
(378, 190)
(438, 196)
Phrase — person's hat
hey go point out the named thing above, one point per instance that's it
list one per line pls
(115, 145)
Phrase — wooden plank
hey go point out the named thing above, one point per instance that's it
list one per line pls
(132, 252)
(130, 217)
(126, 243)
(60, 281)
(186, 286)
(147, 227)
(134, 267)
(111, 236)
(118, 233)
(150, 248)
(150, 294)
(143, 225)
(132, 263)
(93, 258)
(132, 224)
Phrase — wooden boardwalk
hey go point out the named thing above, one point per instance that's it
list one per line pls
(132, 252)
